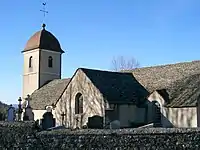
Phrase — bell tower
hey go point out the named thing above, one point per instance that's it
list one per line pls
(42, 61)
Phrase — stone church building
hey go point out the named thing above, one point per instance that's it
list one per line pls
(133, 97)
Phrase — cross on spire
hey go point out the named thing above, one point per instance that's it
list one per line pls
(44, 12)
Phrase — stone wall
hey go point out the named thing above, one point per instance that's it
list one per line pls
(26, 136)
(13, 135)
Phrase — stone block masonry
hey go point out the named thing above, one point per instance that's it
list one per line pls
(26, 136)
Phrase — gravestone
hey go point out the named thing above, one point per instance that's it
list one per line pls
(95, 122)
(25, 117)
(2, 117)
(110, 116)
(48, 121)
(28, 114)
(11, 113)
(115, 124)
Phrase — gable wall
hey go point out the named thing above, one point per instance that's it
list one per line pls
(177, 117)
(93, 103)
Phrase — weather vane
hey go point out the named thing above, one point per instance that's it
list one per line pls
(44, 11)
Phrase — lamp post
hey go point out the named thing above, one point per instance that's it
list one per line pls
(20, 109)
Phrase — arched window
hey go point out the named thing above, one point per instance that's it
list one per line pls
(50, 62)
(79, 104)
(30, 62)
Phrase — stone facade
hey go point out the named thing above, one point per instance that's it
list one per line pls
(30, 75)
(93, 102)
(182, 117)
(47, 73)
(174, 117)
(37, 75)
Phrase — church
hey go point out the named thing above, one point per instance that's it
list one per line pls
(167, 93)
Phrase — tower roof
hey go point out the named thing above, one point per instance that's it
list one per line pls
(43, 39)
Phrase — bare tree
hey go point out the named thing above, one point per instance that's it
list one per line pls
(121, 64)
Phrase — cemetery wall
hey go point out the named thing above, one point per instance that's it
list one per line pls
(13, 135)
(26, 136)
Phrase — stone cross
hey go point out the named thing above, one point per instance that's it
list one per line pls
(49, 109)
(28, 114)
(28, 101)
(62, 118)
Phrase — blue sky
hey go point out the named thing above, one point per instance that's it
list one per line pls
(92, 32)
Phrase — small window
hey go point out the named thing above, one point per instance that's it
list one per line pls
(50, 62)
(79, 104)
(30, 62)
